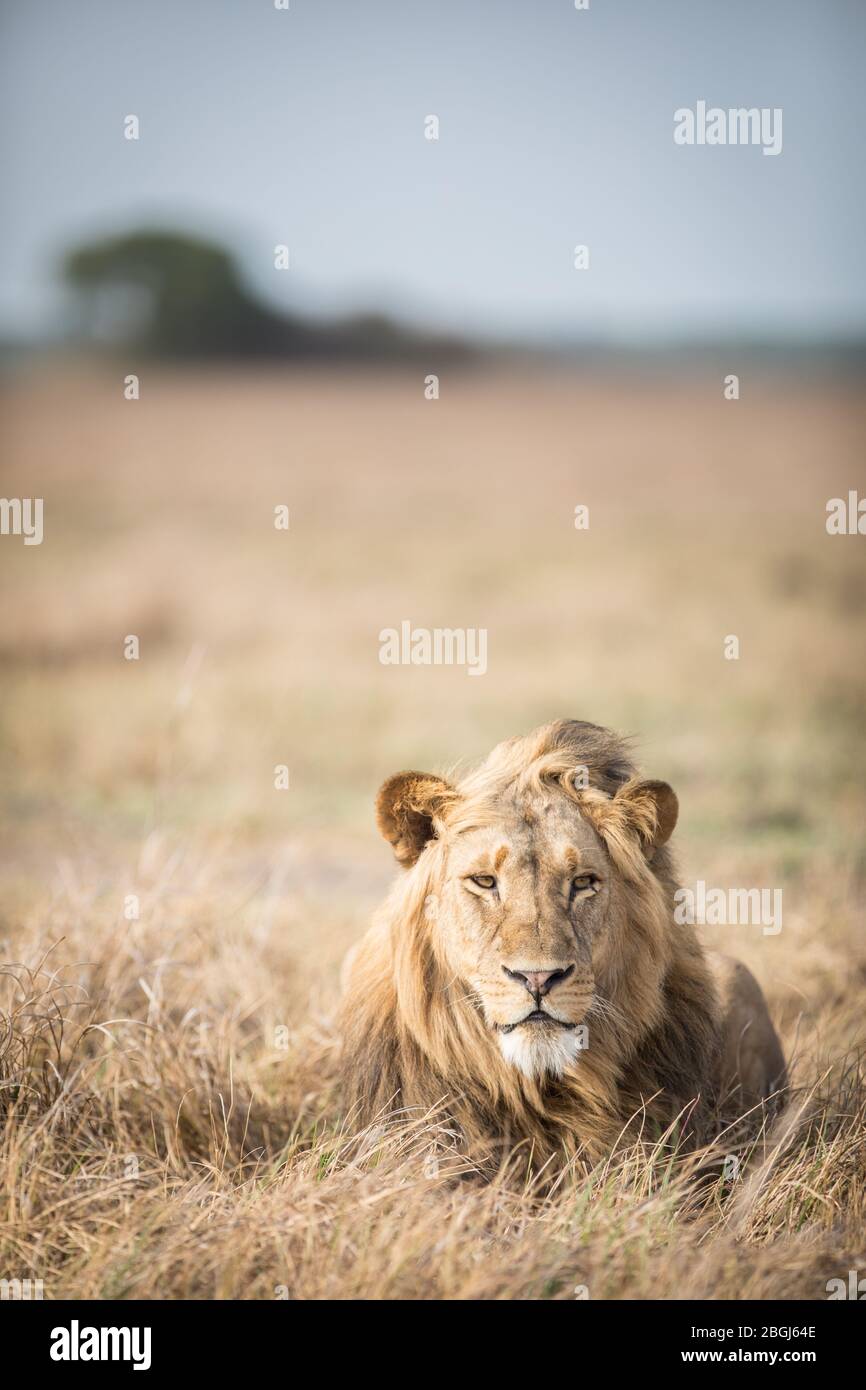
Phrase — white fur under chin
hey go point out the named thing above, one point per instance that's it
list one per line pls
(540, 1051)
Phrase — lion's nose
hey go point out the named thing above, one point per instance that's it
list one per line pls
(539, 982)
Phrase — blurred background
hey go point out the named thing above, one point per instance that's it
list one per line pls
(305, 127)
(258, 386)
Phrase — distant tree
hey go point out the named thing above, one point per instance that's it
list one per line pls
(177, 296)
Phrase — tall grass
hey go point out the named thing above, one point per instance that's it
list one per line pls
(156, 1147)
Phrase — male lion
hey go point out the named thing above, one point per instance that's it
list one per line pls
(527, 970)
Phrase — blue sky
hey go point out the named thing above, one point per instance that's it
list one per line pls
(306, 127)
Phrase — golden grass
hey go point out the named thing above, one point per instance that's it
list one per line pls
(170, 1121)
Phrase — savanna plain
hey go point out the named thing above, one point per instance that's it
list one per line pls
(172, 924)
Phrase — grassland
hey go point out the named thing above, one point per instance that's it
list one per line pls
(170, 1122)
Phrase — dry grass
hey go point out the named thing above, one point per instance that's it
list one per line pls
(171, 1126)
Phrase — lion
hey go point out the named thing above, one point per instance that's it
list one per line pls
(526, 972)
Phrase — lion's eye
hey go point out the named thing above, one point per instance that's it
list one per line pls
(483, 880)
(583, 884)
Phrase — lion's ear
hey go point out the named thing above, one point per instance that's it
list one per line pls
(405, 808)
(652, 810)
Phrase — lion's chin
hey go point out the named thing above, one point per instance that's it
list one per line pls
(540, 1052)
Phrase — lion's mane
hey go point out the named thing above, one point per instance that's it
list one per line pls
(415, 1040)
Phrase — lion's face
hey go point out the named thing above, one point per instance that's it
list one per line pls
(523, 910)
(529, 907)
